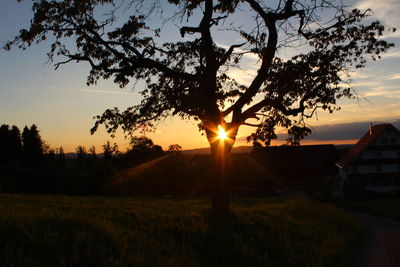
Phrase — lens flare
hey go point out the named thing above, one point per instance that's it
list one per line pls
(221, 133)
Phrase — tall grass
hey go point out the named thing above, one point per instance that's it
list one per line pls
(99, 231)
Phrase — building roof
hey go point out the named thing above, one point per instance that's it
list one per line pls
(363, 143)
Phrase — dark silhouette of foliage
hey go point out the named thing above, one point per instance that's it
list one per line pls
(51, 154)
(81, 155)
(190, 78)
(32, 145)
(109, 150)
(15, 143)
(4, 143)
(10, 144)
(61, 156)
(174, 148)
(142, 149)
(92, 153)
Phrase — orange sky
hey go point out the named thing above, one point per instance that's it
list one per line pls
(62, 106)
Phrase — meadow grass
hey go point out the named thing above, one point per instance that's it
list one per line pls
(119, 231)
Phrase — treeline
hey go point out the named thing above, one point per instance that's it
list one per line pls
(29, 165)
(27, 148)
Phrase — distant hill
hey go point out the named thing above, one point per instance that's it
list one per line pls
(206, 150)
(188, 174)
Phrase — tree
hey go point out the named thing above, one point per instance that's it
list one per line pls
(51, 154)
(109, 150)
(92, 152)
(32, 145)
(142, 150)
(10, 144)
(4, 143)
(191, 77)
(15, 144)
(61, 156)
(81, 155)
(174, 148)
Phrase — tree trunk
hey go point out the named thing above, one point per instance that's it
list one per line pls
(222, 167)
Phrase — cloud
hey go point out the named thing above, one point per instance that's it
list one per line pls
(333, 133)
(394, 77)
(386, 93)
(244, 77)
(95, 91)
(391, 54)
(384, 10)
(104, 92)
(48, 107)
(343, 131)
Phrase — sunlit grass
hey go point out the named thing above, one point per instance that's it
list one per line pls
(99, 231)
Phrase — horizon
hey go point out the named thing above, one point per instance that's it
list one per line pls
(62, 107)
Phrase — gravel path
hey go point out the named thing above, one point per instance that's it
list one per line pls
(382, 245)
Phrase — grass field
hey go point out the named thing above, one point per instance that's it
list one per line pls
(99, 231)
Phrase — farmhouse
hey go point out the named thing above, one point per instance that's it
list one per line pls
(374, 162)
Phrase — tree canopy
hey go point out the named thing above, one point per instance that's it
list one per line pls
(33, 146)
(191, 77)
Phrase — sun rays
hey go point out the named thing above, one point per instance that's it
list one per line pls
(222, 134)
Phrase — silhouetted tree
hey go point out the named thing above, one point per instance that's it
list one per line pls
(190, 77)
(4, 143)
(51, 154)
(15, 143)
(141, 143)
(81, 155)
(174, 148)
(92, 152)
(142, 149)
(109, 150)
(61, 156)
(32, 145)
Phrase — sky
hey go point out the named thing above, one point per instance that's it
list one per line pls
(62, 105)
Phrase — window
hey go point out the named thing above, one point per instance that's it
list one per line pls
(384, 140)
(378, 154)
(393, 140)
(378, 168)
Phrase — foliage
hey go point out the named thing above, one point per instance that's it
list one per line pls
(172, 232)
(174, 148)
(33, 146)
(191, 78)
(81, 155)
(109, 150)
(92, 152)
(142, 150)
(10, 144)
(61, 156)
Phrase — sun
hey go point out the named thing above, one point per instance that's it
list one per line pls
(221, 133)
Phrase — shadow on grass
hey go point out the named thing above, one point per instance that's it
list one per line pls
(218, 248)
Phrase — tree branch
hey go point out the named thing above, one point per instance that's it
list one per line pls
(252, 125)
(229, 53)
(268, 53)
(187, 29)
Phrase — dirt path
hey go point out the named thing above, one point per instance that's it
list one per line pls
(382, 245)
